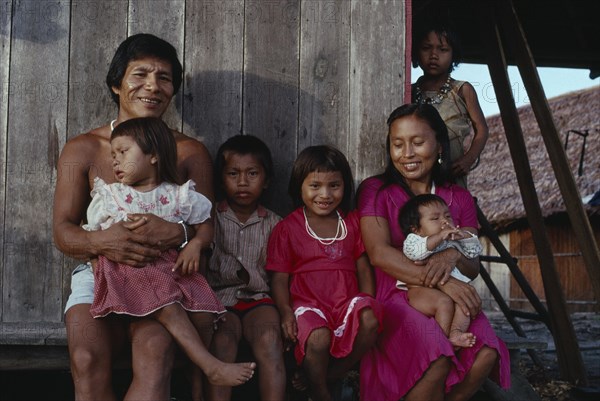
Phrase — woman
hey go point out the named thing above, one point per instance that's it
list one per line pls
(413, 358)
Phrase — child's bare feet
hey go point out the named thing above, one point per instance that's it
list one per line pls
(462, 339)
(230, 374)
(299, 381)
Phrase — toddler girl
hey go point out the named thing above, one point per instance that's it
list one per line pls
(428, 226)
(168, 289)
(322, 281)
(436, 51)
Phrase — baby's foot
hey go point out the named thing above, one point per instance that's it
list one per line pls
(230, 374)
(460, 339)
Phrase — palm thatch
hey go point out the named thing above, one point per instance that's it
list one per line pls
(494, 181)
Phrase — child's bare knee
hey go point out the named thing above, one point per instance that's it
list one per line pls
(368, 321)
(319, 340)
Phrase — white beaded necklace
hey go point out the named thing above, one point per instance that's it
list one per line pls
(340, 233)
(112, 124)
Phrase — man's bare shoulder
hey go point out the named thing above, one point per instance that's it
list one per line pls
(188, 145)
(88, 148)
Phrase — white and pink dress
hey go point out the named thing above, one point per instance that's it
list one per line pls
(123, 289)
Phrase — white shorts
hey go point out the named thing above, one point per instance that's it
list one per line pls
(82, 286)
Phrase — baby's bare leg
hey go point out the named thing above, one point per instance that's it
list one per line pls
(459, 336)
(177, 322)
(433, 303)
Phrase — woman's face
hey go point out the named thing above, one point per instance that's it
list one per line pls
(413, 148)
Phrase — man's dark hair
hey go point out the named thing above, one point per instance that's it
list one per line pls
(137, 47)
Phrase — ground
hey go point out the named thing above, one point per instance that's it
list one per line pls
(546, 378)
(57, 385)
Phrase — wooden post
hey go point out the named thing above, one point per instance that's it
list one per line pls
(567, 349)
(560, 164)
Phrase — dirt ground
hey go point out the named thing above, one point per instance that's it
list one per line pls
(546, 378)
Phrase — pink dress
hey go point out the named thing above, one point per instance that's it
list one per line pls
(123, 289)
(411, 341)
(324, 288)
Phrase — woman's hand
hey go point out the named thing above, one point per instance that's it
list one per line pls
(464, 295)
(438, 267)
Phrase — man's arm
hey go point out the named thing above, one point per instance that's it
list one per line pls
(71, 198)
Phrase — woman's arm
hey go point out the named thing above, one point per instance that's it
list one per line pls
(381, 253)
(366, 278)
(375, 234)
(463, 165)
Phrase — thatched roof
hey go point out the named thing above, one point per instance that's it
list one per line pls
(494, 181)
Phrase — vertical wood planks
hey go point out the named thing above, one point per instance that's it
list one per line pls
(37, 114)
(324, 74)
(294, 73)
(214, 51)
(97, 29)
(5, 33)
(270, 89)
(376, 80)
(165, 19)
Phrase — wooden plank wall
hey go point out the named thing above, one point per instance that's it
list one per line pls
(569, 263)
(294, 73)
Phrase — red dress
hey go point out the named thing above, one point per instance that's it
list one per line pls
(323, 286)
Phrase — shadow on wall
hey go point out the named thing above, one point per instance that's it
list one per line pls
(219, 104)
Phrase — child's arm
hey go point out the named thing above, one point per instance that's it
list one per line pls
(462, 165)
(364, 273)
(281, 295)
(190, 256)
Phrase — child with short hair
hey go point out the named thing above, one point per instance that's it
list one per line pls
(428, 226)
(436, 50)
(169, 289)
(323, 284)
(236, 271)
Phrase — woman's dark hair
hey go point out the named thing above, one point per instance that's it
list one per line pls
(154, 138)
(242, 145)
(409, 217)
(442, 30)
(426, 112)
(137, 47)
(322, 158)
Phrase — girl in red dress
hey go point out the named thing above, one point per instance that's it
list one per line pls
(322, 281)
(170, 289)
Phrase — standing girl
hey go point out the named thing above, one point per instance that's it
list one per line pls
(436, 51)
(169, 290)
(322, 281)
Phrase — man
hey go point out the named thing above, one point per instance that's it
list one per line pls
(143, 77)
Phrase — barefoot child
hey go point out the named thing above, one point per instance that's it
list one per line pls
(170, 289)
(428, 226)
(437, 52)
(237, 266)
(322, 281)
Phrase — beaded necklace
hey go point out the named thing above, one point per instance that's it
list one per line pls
(340, 233)
(441, 94)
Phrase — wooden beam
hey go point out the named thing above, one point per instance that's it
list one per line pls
(567, 349)
(558, 158)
